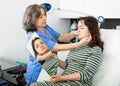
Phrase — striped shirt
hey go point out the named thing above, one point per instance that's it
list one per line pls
(84, 60)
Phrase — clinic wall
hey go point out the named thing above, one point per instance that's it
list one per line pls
(13, 38)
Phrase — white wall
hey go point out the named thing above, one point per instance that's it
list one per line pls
(13, 38)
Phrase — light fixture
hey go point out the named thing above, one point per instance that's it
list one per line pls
(100, 20)
(48, 4)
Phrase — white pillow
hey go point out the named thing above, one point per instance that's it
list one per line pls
(109, 72)
(111, 40)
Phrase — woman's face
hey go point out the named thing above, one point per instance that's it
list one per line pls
(40, 47)
(83, 30)
(41, 22)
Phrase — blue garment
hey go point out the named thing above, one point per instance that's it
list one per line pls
(50, 38)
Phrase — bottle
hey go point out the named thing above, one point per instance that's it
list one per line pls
(74, 28)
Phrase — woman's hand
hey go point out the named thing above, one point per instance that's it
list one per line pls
(84, 41)
(51, 54)
(72, 76)
(56, 78)
(46, 55)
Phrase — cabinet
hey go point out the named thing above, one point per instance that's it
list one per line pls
(76, 8)
(105, 8)
(71, 9)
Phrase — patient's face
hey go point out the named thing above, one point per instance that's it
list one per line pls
(83, 30)
(40, 47)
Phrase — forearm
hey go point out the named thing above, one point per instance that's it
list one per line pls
(63, 47)
(66, 37)
(73, 76)
(62, 64)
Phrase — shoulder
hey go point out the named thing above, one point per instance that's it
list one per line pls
(30, 33)
(97, 51)
(48, 27)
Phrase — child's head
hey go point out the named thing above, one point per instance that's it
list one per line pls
(39, 47)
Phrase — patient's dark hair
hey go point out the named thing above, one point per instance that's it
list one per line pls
(31, 15)
(35, 52)
(92, 25)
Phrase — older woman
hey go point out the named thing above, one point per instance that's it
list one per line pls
(34, 20)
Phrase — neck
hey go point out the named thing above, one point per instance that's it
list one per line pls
(41, 30)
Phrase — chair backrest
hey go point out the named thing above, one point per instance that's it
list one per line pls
(108, 73)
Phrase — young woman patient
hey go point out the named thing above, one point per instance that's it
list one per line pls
(40, 50)
(81, 63)
(45, 57)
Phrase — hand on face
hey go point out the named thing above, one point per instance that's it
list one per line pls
(47, 55)
(86, 39)
(51, 54)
